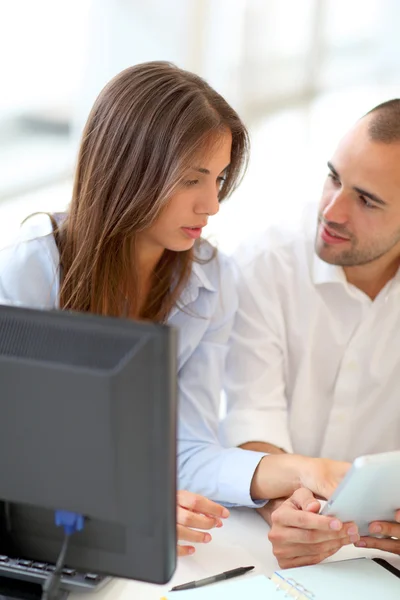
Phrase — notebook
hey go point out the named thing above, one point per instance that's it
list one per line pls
(359, 578)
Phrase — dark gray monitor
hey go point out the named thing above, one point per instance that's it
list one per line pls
(88, 424)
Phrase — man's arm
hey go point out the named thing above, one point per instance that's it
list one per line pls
(262, 447)
(255, 385)
(266, 510)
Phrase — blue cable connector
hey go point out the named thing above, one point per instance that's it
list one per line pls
(71, 521)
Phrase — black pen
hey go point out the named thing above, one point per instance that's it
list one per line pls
(213, 579)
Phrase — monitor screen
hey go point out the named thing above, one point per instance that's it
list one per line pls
(88, 424)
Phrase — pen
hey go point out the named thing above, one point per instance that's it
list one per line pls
(213, 579)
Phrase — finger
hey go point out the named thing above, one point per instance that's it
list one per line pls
(200, 504)
(304, 499)
(192, 535)
(298, 550)
(302, 561)
(218, 522)
(192, 519)
(288, 516)
(385, 528)
(387, 545)
(294, 535)
(185, 550)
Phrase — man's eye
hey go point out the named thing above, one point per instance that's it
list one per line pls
(367, 203)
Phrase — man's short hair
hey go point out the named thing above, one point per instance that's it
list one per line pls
(384, 125)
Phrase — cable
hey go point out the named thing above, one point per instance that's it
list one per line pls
(71, 522)
(52, 582)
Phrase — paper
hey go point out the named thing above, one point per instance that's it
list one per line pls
(346, 580)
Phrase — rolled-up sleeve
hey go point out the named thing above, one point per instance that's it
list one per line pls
(257, 407)
(204, 465)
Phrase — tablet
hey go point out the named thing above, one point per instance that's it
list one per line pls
(370, 491)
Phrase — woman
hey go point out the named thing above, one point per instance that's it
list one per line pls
(160, 151)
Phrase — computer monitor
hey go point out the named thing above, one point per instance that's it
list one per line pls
(88, 424)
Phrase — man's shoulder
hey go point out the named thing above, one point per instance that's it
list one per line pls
(277, 245)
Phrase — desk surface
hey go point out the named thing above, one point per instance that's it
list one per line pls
(240, 542)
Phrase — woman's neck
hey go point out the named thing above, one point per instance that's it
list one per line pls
(146, 258)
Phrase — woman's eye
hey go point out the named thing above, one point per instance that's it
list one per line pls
(333, 177)
(221, 180)
(190, 182)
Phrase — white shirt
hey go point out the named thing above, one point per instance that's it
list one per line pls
(314, 365)
(29, 277)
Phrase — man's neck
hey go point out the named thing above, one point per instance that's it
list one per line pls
(372, 277)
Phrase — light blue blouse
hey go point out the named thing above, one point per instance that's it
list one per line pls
(29, 277)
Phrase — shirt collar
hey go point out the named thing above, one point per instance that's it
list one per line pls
(197, 279)
(323, 272)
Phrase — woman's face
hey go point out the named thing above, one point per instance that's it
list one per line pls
(187, 211)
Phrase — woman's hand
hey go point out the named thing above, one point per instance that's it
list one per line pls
(195, 512)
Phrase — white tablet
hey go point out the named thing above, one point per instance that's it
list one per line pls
(370, 491)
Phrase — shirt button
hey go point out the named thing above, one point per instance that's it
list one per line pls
(352, 365)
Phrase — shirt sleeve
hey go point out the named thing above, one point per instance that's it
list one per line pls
(257, 408)
(204, 465)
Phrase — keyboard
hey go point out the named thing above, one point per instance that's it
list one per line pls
(36, 572)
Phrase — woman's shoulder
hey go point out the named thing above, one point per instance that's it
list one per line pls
(29, 264)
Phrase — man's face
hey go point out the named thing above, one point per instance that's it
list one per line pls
(359, 212)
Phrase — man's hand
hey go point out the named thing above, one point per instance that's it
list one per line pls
(301, 537)
(391, 530)
(267, 510)
(279, 475)
(322, 476)
(198, 512)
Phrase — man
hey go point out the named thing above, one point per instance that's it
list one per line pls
(314, 366)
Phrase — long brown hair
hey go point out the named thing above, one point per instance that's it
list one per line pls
(144, 131)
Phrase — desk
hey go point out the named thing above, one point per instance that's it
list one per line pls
(241, 541)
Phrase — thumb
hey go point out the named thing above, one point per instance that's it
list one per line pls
(304, 499)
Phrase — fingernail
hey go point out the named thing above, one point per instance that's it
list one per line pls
(207, 538)
(360, 544)
(225, 513)
(354, 539)
(352, 530)
(191, 551)
(397, 516)
(335, 525)
(219, 524)
(375, 529)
